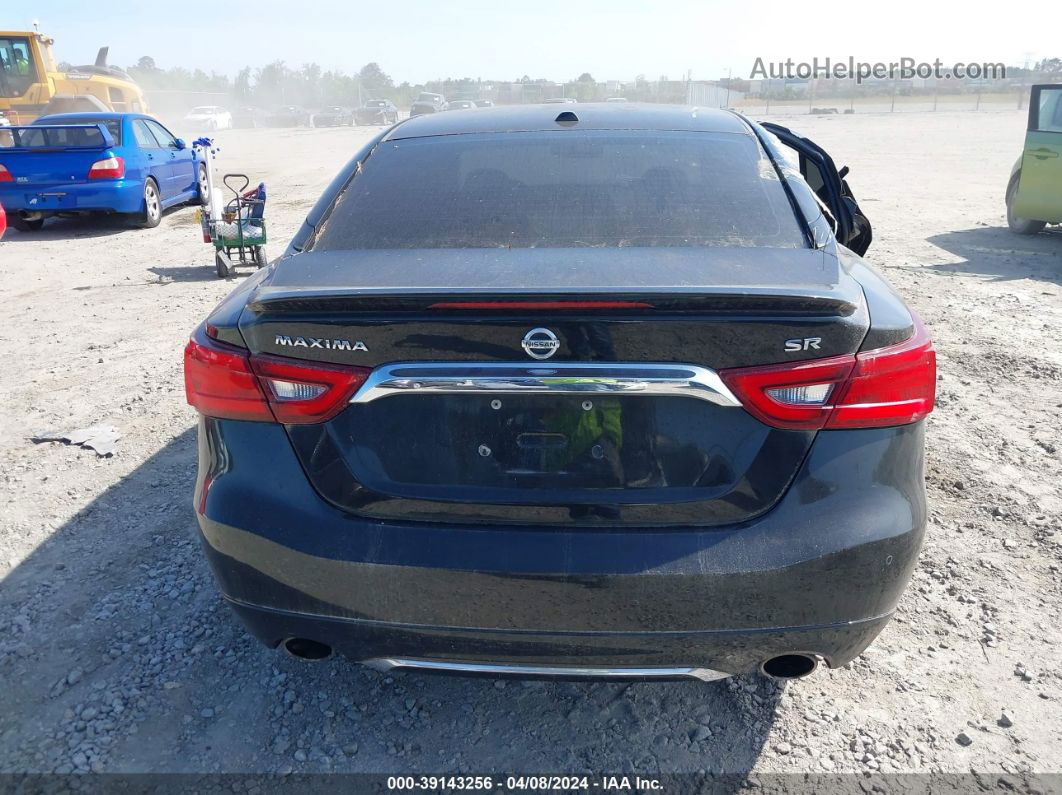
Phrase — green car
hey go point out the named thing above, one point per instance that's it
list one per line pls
(1034, 193)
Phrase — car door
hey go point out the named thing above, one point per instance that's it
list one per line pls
(155, 159)
(852, 228)
(182, 163)
(1039, 193)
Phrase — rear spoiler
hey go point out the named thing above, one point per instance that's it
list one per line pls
(747, 301)
(45, 138)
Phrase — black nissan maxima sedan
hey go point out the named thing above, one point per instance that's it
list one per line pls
(598, 392)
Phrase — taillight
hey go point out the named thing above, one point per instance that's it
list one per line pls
(896, 385)
(796, 396)
(5, 175)
(219, 382)
(301, 392)
(888, 386)
(229, 383)
(110, 168)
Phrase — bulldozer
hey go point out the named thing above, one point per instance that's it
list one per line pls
(31, 85)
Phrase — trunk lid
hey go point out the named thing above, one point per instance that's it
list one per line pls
(604, 429)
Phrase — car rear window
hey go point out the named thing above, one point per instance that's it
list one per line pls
(564, 189)
(65, 134)
(114, 127)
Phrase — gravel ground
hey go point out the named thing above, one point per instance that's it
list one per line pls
(116, 654)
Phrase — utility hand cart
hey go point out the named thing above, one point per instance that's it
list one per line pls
(237, 229)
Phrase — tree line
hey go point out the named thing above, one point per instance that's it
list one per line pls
(276, 83)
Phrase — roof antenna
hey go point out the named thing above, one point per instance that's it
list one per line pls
(566, 117)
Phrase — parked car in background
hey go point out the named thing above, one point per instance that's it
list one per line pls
(660, 418)
(376, 111)
(333, 116)
(426, 102)
(290, 116)
(249, 117)
(208, 117)
(460, 104)
(70, 163)
(1034, 193)
(484, 103)
(559, 101)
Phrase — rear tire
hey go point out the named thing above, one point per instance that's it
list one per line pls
(202, 186)
(1022, 226)
(221, 265)
(22, 225)
(150, 215)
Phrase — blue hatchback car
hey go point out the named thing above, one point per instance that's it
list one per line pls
(124, 163)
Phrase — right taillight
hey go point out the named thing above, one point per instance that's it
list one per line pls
(895, 385)
(227, 382)
(109, 168)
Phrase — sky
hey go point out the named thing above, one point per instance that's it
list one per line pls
(418, 40)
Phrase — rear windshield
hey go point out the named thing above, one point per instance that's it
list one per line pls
(114, 126)
(564, 189)
(66, 135)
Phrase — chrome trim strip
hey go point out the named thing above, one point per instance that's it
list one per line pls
(557, 378)
(384, 664)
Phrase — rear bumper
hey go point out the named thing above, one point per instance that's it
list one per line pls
(119, 196)
(728, 651)
(820, 573)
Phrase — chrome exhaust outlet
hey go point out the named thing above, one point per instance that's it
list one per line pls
(30, 215)
(307, 650)
(790, 666)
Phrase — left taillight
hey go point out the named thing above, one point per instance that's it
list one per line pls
(894, 385)
(108, 168)
(227, 382)
(301, 393)
(219, 381)
(5, 175)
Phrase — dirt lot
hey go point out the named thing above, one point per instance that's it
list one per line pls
(117, 655)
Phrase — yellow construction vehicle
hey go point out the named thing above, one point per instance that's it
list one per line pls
(31, 85)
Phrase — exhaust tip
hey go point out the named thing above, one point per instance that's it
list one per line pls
(790, 666)
(307, 650)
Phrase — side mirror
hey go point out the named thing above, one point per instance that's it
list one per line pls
(843, 172)
(179, 143)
